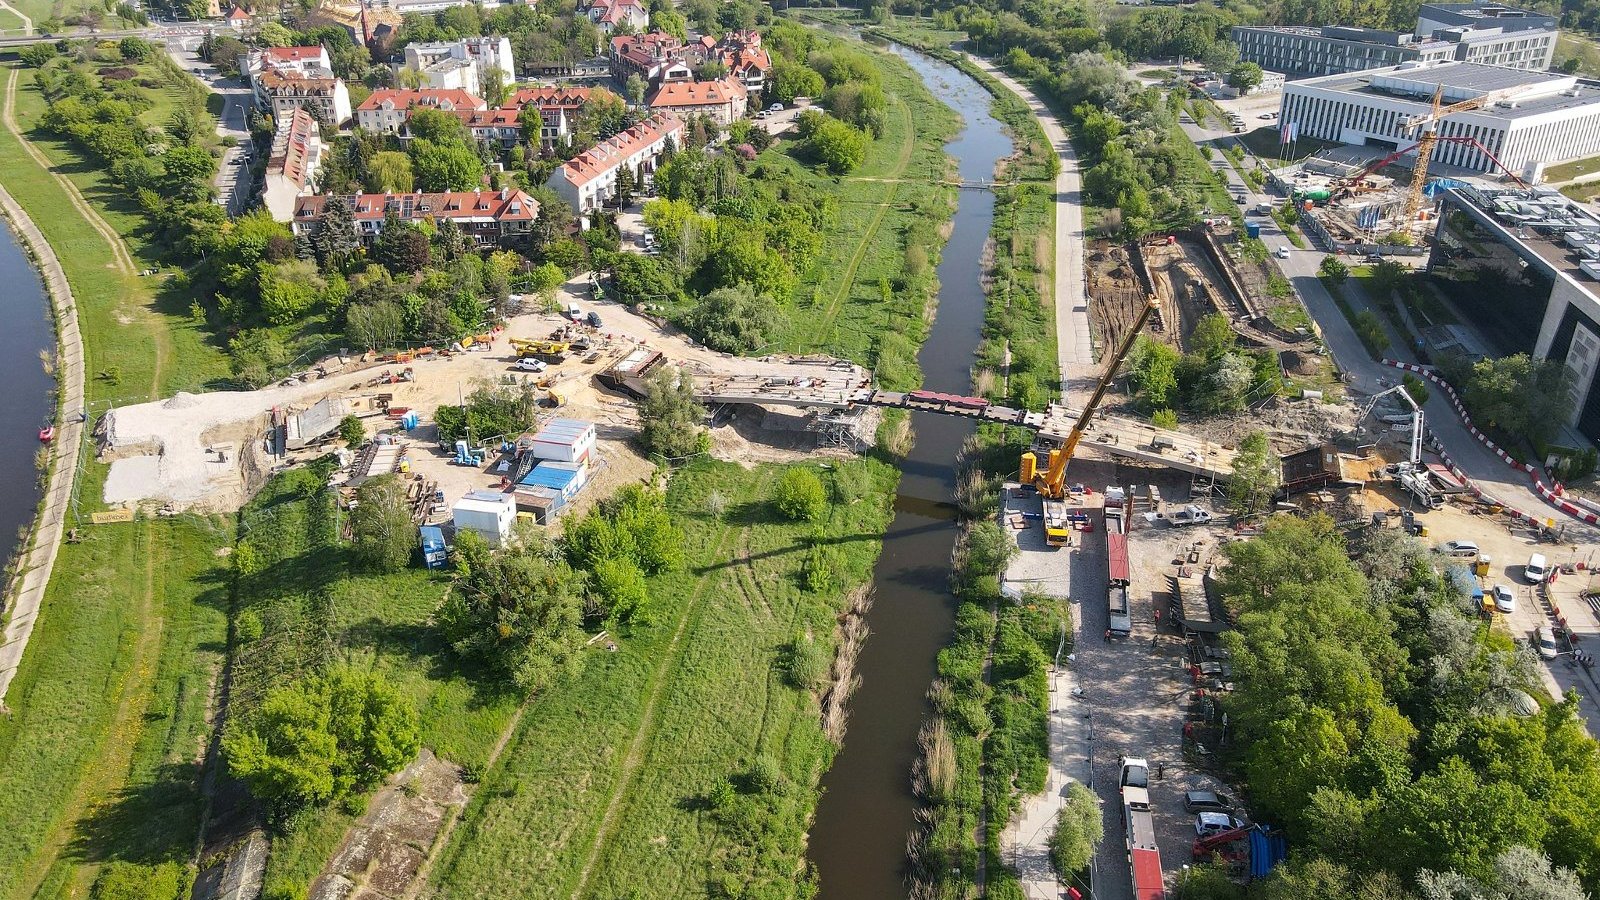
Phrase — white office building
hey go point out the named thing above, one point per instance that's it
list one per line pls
(1529, 120)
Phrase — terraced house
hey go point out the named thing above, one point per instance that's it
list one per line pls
(502, 218)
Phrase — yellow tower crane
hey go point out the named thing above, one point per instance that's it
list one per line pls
(1429, 125)
(1051, 481)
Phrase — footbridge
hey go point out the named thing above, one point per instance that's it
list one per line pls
(844, 388)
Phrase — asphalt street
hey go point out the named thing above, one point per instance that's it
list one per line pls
(233, 182)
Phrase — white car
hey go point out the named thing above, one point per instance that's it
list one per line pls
(1504, 600)
(1545, 640)
(529, 364)
(776, 107)
(1535, 570)
(1459, 549)
(1208, 823)
(1283, 252)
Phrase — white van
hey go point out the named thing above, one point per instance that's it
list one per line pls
(1535, 571)
(1283, 252)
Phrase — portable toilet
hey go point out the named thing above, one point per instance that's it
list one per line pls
(410, 420)
(1481, 567)
(433, 549)
(1252, 229)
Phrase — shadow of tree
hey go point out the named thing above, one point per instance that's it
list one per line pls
(138, 823)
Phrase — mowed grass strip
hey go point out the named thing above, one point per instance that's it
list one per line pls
(722, 704)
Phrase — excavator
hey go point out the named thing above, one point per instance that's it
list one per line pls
(1051, 481)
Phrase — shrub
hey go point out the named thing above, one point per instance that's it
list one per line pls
(799, 495)
(805, 663)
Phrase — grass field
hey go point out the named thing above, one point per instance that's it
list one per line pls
(648, 733)
(1571, 170)
(300, 605)
(10, 23)
(99, 751)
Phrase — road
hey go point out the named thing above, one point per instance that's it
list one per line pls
(233, 180)
(1074, 343)
(1365, 375)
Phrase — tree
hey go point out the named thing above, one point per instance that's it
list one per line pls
(734, 319)
(1207, 882)
(382, 535)
(1518, 395)
(352, 432)
(625, 186)
(1077, 833)
(532, 124)
(134, 49)
(619, 585)
(446, 167)
(800, 496)
(258, 356)
(1257, 472)
(1221, 56)
(322, 737)
(274, 34)
(515, 612)
(839, 147)
(401, 246)
(671, 419)
(492, 87)
(335, 240)
(1212, 338)
(389, 172)
(791, 79)
(1333, 270)
(635, 90)
(1154, 373)
(988, 548)
(1245, 77)
(375, 326)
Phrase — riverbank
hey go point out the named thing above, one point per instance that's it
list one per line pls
(108, 707)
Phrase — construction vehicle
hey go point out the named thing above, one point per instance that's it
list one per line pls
(551, 350)
(1051, 482)
(1412, 475)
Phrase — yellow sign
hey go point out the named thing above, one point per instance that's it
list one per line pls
(111, 515)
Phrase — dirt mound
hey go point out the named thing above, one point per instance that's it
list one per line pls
(1296, 363)
(181, 400)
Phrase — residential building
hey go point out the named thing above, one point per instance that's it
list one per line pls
(387, 110)
(462, 64)
(723, 100)
(558, 110)
(607, 15)
(656, 57)
(292, 164)
(288, 78)
(1529, 119)
(1524, 267)
(497, 127)
(741, 53)
(589, 179)
(237, 18)
(501, 218)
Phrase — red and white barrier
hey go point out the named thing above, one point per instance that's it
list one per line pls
(1554, 494)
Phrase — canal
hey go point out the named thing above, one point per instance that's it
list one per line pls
(858, 841)
(26, 403)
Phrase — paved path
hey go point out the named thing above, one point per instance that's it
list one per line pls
(1074, 344)
(40, 556)
(27, 23)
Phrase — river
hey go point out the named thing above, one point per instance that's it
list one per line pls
(858, 841)
(25, 404)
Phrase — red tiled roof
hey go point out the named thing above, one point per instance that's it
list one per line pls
(291, 146)
(291, 54)
(696, 93)
(237, 14)
(487, 118)
(501, 206)
(548, 98)
(436, 97)
(609, 153)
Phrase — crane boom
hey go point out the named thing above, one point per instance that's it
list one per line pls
(1053, 478)
(1426, 141)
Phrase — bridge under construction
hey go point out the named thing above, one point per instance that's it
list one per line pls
(840, 386)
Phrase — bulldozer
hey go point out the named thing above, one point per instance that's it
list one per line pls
(1050, 481)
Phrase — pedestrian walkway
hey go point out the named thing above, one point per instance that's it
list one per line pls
(1026, 840)
(1074, 342)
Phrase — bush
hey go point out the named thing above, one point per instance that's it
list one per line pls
(1417, 388)
(130, 881)
(839, 147)
(1078, 831)
(352, 432)
(805, 663)
(799, 495)
(1164, 418)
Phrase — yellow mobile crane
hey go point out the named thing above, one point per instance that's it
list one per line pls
(1051, 481)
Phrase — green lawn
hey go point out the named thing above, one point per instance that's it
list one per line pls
(1571, 170)
(686, 703)
(1263, 143)
(99, 752)
(10, 23)
(1571, 45)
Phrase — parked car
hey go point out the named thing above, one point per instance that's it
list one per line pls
(529, 364)
(1206, 801)
(574, 313)
(1283, 252)
(1459, 549)
(776, 107)
(1545, 639)
(1208, 823)
(1504, 600)
(1374, 258)
(1535, 570)
(593, 319)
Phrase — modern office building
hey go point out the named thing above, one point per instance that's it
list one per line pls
(1476, 33)
(1524, 266)
(1529, 119)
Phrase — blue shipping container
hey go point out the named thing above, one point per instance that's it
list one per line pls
(1252, 229)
